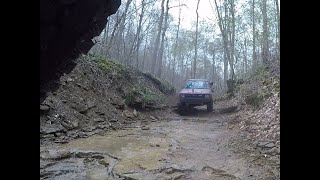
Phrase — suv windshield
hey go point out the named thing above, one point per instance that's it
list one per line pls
(197, 85)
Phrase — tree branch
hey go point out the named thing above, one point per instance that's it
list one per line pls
(178, 6)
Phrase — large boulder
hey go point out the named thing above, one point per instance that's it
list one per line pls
(67, 28)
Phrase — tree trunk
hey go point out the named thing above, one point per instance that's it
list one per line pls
(232, 40)
(225, 70)
(118, 20)
(162, 39)
(213, 65)
(196, 44)
(245, 57)
(144, 54)
(127, 56)
(265, 34)
(138, 37)
(157, 42)
(176, 46)
(121, 32)
(106, 37)
(278, 26)
(224, 28)
(254, 54)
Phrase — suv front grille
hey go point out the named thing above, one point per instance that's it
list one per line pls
(194, 95)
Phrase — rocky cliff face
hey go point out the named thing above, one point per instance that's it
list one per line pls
(66, 30)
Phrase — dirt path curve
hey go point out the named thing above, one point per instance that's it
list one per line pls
(177, 147)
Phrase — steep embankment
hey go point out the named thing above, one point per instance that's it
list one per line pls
(257, 121)
(260, 98)
(99, 95)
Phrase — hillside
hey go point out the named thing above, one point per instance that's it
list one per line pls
(257, 117)
(99, 95)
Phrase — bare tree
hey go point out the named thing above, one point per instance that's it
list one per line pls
(245, 57)
(265, 34)
(278, 26)
(176, 46)
(227, 33)
(196, 44)
(144, 54)
(118, 20)
(157, 42)
(137, 39)
(138, 32)
(254, 54)
(162, 39)
(232, 38)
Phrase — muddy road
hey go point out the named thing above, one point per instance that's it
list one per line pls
(192, 146)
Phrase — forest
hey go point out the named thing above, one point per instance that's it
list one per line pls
(219, 40)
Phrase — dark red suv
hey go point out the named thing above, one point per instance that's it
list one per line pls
(196, 92)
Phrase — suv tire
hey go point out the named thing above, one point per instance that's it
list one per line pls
(210, 107)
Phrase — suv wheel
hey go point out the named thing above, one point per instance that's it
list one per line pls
(210, 107)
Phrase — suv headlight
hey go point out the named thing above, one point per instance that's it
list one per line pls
(182, 95)
(207, 96)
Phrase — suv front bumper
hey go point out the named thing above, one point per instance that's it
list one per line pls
(194, 101)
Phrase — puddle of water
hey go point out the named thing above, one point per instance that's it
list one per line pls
(100, 143)
(138, 150)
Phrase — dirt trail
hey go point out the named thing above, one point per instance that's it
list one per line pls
(196, 146)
